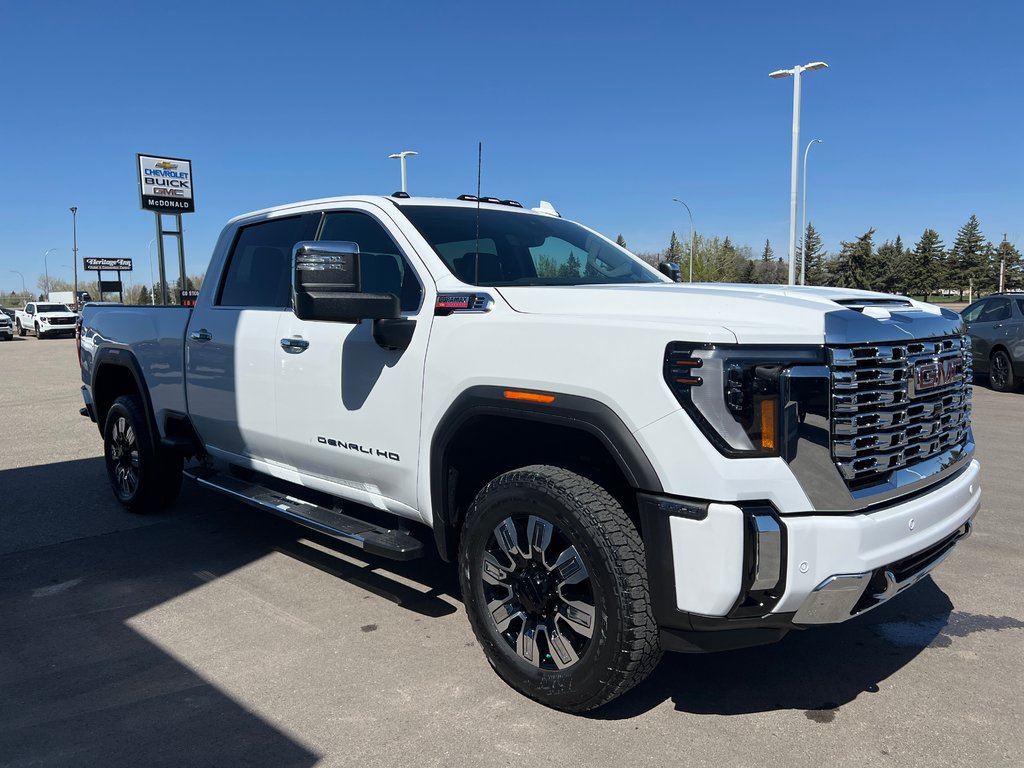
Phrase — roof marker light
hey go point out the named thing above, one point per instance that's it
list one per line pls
(533, 397)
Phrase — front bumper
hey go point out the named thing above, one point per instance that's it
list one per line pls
(704, 567)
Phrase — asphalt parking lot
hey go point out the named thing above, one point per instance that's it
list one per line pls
(212, 634)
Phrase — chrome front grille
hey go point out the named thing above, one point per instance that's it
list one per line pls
(895, 405)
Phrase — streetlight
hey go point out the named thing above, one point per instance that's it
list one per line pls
(46, 271)
(23, 289)
(692, 234)
(795, 74)
(803, 221)
(401, 156)
(152, 283)
(74, 235)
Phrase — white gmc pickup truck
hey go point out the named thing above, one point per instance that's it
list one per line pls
(618, 464)
(45, 319)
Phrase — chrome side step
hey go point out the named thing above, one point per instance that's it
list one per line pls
(385, 542)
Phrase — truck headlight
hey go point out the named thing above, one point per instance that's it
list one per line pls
(748, 400)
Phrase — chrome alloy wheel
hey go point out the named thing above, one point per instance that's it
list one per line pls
(124, 455)
(539, 592)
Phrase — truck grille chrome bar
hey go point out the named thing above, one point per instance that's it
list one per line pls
(895, 405)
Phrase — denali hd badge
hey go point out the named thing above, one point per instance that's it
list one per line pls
(937, 373)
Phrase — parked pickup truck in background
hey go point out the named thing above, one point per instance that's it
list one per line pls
(45, 319)
(618, 464)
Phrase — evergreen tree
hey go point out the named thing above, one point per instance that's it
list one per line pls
(145, 297)
(814, 254)
(745, 273)
(1008, 260)
(620, 241)
(767, 254)
(926, 265)
(571, 268)
(675, 250)
(967, 257)
(889, 267)
(853, 265)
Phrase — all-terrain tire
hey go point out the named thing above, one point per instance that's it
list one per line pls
(584, 520)
(144, 477)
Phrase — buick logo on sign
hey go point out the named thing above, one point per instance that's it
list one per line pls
(933, 374)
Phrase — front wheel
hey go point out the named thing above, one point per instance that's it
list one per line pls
(21, 331)
(1000, 372)
(554, 579)
(144, 478)
(38, 334)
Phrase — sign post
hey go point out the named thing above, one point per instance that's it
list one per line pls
(165, 187)
(98, 265)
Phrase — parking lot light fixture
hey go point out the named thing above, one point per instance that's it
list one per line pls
(692, 233)
(46, 271)
(795, 73)
(401, 157)
(74, 248)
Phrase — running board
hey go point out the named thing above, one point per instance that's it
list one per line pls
(391, 543)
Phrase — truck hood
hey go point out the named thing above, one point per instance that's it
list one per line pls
(752, 314)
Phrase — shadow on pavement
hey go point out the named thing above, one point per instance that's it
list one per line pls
(80, 686)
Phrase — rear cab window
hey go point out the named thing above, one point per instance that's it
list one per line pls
(258, 273)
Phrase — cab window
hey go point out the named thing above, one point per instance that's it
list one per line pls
(382, 267)
(259, 267)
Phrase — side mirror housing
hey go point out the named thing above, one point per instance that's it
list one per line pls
(669, 269)
(326, 285)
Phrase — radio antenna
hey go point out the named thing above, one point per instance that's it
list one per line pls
(479, 167)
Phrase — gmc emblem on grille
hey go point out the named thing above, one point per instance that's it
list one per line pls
(937, 373)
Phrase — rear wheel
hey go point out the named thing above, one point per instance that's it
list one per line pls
(554, 579)
(144, 477)
(1000, 372)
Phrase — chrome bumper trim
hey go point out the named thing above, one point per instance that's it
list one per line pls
(837, 598)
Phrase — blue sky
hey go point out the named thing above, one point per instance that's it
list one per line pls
(609, 110)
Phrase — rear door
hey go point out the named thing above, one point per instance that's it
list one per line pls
(348, 410)
(979, 343)
(231, 345)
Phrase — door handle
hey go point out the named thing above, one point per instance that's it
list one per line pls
(295, 346)
(201, 335)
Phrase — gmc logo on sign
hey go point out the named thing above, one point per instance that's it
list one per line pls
(937, 373)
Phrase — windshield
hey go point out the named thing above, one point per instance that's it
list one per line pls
(51, 308)
(523, 249)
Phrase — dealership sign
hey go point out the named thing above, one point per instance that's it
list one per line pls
(94, 264)
(165, 184)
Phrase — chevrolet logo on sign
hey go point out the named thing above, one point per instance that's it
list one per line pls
(167, 166)
(933, 374)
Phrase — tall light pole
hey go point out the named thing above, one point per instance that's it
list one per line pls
(46, 271)
(401, 157)
(692, 233)
(803, 220)
(795, 73)
(74, 241)
(152, 283)
(23, 289)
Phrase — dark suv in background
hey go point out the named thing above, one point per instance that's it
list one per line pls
(996, 326)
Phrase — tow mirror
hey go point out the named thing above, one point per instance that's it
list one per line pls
(669, 270)
(326, 285)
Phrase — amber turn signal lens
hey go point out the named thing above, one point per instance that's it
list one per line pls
(768, 425)
(533, 397)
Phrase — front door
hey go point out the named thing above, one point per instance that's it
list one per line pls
(348, 410)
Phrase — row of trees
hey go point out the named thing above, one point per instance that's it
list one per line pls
(972, 263)
(133, 294)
